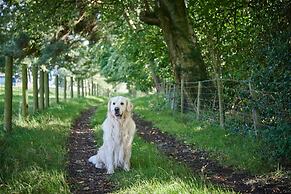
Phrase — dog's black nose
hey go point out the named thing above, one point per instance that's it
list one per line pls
(116, 109)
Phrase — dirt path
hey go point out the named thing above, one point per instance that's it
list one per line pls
(83, 177)
(200, 163)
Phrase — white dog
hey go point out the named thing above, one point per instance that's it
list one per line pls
(118, 132)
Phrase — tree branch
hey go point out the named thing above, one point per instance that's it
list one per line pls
(149, 18)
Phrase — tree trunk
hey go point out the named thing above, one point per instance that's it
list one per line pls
(82, 85)
(65, 88)
(184, 53)
(41, 89)
(35, 87)
(92, 87)
(183, 49)
(156, 78)
(88, 85)
(46, 90)
(24, 90)
(72, 87)
(57, 88)
(78, 87)
(97, 90)
(8, 93)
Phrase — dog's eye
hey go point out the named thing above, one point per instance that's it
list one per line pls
(113, 103)
(121, 103)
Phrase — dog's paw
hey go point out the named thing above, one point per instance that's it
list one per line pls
(99, 165)
(93, 159)
(110, 171)
(126, 167)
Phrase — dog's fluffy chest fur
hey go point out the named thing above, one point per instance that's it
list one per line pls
(118, 131)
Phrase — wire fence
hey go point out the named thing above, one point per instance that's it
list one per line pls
(230, 103)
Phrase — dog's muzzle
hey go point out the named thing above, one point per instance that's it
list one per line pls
(117, 112)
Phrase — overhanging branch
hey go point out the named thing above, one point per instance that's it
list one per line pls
(149, 18)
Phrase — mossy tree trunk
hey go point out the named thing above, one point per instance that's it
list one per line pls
(35, 87)
(57, 88)
(46, 90)
(24, 90)
(72, 87)
(8, 93)
(41, 89)
(184, 52)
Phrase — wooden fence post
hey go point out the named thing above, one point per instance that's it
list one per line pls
(182, 94)
(82, 86)
(57, 88)
(41, 89)
(78, 87)
(72, 87)
(174, 97)
(97, 90)
(254, 111)
(46, 89)
(8, 93)
(65, 88)
(92, 87)
(35, 87)
(220, 102)
(24, 90)
(198, 101)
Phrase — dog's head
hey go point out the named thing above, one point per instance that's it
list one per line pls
(119, 107)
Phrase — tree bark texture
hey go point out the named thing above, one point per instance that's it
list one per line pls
(183, 49)
(185, 55)
(8, 93)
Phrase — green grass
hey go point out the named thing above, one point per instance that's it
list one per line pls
(229, 149)
(151, 171)
(33, 155)
(16, 103)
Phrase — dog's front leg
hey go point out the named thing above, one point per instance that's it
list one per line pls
(109, 160)
(127, 156)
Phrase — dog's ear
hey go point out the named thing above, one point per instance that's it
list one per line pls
(129, 106)
(108, 106)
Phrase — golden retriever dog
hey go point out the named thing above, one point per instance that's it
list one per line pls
(118, 132)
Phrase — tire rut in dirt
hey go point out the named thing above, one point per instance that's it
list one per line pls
(211, 170)
(83, 177)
